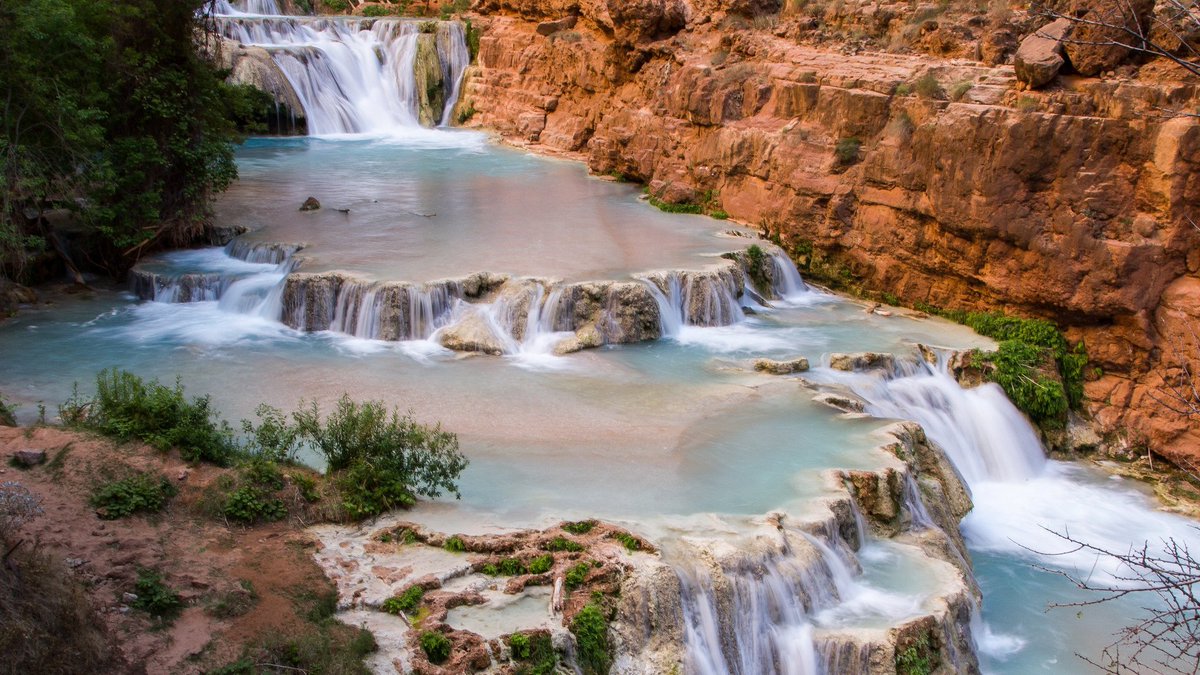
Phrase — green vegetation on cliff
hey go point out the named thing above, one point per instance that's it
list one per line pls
(112, 116)
(376, 458)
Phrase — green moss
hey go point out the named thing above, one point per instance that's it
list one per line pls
(455, 544)
(563, 544)
(581, 527)
(577, 574)
(631, 542)
(916, 659)
(541, 564)
(436, 646)
(590, 628)
(407, 602)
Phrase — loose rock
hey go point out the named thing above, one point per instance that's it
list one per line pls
(773, 367)
(29, 458)
(1039, 57)
(310, 204)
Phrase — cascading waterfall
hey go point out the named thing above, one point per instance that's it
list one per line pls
(351, 75)
(238, 7)
(982, 432)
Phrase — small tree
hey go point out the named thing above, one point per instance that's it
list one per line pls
(1166, 639)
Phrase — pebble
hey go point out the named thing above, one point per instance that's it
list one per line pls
(129, 597)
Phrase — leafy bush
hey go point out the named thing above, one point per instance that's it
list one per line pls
(719, 214)
(519, 644)
(436, 646)
(511, 567)
(590, 628)
(541, 564)
(127, 408)
(263, 473)
(378, 10)
(846, 150)
(250, 504)
(960, 90)
(471, 33)
(7, 418)
(455, 544)
(306, 485)
(581, 527)
(273, 438)
(154, 597)
(668, 207)
(927, 86)
(407, 602)
(337, 5)
(563, 544)
(140, 493)
(384, 458)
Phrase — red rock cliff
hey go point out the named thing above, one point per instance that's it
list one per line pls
(951, 186)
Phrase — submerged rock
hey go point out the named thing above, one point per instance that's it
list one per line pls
(862, 361)
(310, 204)
(773, 367)
(843, 402)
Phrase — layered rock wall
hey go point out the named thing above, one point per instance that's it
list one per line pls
(1070, 203)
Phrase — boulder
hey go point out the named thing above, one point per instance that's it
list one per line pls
(1090, 47)
(862, 361)
(28, 458)
(1040, 55)
(843, 402)
(310, 204)
(473, 333)
(772, 367)
(552, 27)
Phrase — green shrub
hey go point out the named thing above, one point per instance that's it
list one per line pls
(904, 89)
(383, 458)
(378, 10)
(154, 597)
(847, 150)
(7, 418)
(519, 644)
(307, 486)
(273, 438)
(541, 564)
(927, 86)
(140, 493)
(590, 628)
(577, 575)
(916, 658)
(250, 504)
(1016, 371)
(337, 5)
(407, 602)
(563, 544)
(263, 473)
(1028, 349)
(428, 27)
(581, 527)
(958, 91)
(126, 408)
(668, 207)
(719, 214)
(471, 34)
(436, 646)
(756, 267)
(455, 544)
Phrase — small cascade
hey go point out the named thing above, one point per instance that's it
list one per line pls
(259, 252)
(921, 520)
(785, 278)
(982, 432)
(765, 628)
(355, 75)
(708, 298)
(242, 7)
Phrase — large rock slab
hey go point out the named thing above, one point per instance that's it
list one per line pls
(1040, 55)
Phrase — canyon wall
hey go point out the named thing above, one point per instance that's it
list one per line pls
(927, 177)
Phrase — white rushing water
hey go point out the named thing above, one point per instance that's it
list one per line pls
(1023, 503)
(351, 75)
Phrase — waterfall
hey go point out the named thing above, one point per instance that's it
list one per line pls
(785, 278)
(982, 432)
(696, 298)
(351, 75)
(242, 7)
